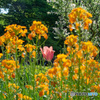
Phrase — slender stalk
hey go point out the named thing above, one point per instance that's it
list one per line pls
(79, 63)
(86, 71)
(34, 67)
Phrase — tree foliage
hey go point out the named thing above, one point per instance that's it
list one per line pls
(23, 12)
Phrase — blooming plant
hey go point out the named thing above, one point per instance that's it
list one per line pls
(80, 17)
(47, 52)
(74, 70)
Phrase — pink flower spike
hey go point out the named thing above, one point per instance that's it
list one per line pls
(47, 53)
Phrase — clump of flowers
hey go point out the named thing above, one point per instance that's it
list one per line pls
(42, 84)
(15, 30)
(29, 87)
(2, 40)
(38, 29)
(79, 17)
(12, 87)
(89, 48)
(31, 49)
(13, 44)
(8, 68)
(71, 40)
(23, 97)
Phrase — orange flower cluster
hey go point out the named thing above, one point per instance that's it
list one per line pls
(23, 97)
(29, 87)
(95, 87)
(72, 45)
(78, 15)
(15, 30)
(53, 76)
(2, 40)
(39, 29)
(31, 49)
(9, 64)
(42, 84)
(14, 44)
(89, 48)
(11, 40)
(8, 68)
(92, 66)
(54, 72)
(86, 54)
(71, 40)
(1, 74)
(12, 87)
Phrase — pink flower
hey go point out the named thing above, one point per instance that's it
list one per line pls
(47, 53)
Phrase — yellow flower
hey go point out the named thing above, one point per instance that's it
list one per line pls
(75, 77)
(1, 55)
(61, 56)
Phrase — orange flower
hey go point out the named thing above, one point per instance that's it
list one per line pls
(86, 23)
(65, 71)
(20, 95)
(23, 55)
(9, 64)
(76, 70)
(75, 77)
(66, 62)
(13, 75)
(32, 34)
(34, 54)
(70, 27)
(77, 26)
(41, 93)
(2, 40)
(29, 86)
(8, 68)
(29, 47)
(4, 95)
(79, 54)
